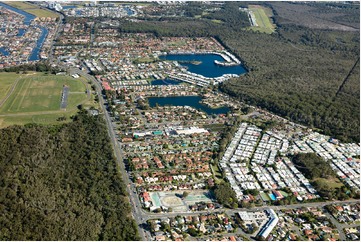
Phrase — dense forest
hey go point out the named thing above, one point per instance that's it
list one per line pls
(330, 15)
(295, 72)
(313, 166)
(61, 183)
(225, 195)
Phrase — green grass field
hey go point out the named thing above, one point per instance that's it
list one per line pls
(144, 60)
(42, 93)
(178, 43)
(264, 196)
(33, 9)
(217, 21)
(262, 15)
(36, 118)
(217, 174)
(36, 98)
(42, 13)
(6, 82)
(331, 183)
(214, 127)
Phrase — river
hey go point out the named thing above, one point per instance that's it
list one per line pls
(68, 7)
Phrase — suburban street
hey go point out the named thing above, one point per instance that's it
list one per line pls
(232, 211)
(340, 226)
(140, 215)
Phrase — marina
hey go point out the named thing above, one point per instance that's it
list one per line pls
(206, 65)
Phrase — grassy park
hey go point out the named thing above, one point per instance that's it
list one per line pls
(7, 81)
(331, 183)
(33, 9)
(262, 15)
(36, 97)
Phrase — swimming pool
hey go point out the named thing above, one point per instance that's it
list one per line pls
(272, 196)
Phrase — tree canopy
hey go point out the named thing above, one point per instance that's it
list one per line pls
(61, 183)
(313, 166)
(225, 195)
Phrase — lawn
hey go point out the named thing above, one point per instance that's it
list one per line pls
(264, 197)
(331, 183)
(178, 43)
(7, 80)
(37, 118)
(217, 21)
(144, 60)
(214, 127)
(36, 98)
(40, 93)
(33, 9)
(41, 13)
(217, 174)
(262, 15)
(75, 99)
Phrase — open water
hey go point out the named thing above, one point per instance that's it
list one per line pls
(207, 67)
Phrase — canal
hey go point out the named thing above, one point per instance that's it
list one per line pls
(34, 56)
(165, 82)
(28, 17)
(3, 51)
(35, 53)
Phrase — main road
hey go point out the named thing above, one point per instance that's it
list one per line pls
(232, 211)
(135, 203)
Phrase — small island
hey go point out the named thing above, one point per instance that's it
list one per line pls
(193, 62)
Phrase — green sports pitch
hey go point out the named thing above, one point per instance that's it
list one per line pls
(36, 97)
(37, 92)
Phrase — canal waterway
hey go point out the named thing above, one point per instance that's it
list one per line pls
(35, 53)
(204, 65)
(3, 51)
(165, 82)
(68, 7)
(192, 101)
(130, 12)
(21, 32)
(27, 20)
(28, 16)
